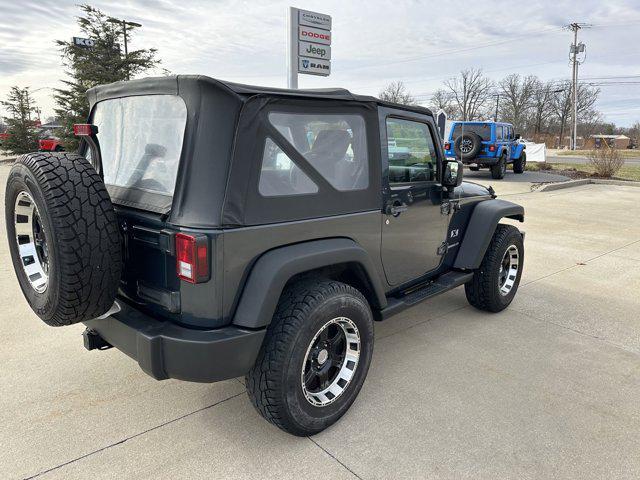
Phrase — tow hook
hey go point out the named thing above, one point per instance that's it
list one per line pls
(93, 340)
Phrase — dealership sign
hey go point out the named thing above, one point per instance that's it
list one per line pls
(313, 50)
(313, 19)
(310, 34)
(314, 66)
(83, 42)
(309, 44)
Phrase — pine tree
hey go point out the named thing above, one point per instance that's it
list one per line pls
(23, 136)
(101, 64)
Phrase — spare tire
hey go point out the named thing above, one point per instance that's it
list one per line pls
(63, 237)
(467, 146)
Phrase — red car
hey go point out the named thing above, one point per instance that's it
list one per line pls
(51, 144)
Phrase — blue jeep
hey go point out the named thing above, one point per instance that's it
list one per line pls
(486, 144)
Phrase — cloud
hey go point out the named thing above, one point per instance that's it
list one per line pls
(375, 42)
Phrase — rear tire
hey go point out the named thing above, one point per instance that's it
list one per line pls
(493, 287)
(287, 382)
(63, 237)
(499, 169)
(520, 164)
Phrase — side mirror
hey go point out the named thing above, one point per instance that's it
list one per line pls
(452, 173)
(518, 136)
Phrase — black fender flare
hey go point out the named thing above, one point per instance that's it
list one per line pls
(272, 271)
(482, 225)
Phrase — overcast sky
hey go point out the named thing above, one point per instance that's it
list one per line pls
(374, 42)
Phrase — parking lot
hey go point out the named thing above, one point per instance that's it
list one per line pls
(549, 388)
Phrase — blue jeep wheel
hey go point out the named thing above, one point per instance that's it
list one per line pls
(519, 164)
(500, 168)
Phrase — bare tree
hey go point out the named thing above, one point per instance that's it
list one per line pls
(541, 101)
(516, 98)
(442, 100)
(396, 92)
(561, 104)
(471, 93)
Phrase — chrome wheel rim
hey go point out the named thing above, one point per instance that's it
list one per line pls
(330, 362)
(508, 270)
(31, 240)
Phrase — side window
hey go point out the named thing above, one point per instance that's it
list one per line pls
(412, 154)
(334, 144)
(499, 132)
(280, 176)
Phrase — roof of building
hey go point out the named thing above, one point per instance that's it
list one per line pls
(611, 137)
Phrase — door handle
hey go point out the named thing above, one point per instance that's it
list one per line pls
(396, 208)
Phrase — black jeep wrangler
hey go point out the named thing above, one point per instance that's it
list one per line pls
(211, 230)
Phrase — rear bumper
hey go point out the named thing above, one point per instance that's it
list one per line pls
(481, 161)
(166, 350)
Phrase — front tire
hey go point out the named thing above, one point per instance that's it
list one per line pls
(315, 357)
(495, 283)
(499, 170)
(520, 164)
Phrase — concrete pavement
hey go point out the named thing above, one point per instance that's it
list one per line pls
(584, 160)
(548, 388)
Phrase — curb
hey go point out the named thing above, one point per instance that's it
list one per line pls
(586, 181)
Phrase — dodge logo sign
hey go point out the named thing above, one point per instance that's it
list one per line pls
(315, 35)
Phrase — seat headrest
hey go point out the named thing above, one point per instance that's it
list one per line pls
(331, 143)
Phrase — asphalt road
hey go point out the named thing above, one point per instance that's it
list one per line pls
(549, 388)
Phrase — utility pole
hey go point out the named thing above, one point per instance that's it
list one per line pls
(124, 31)
(573, 51)
(495, 117)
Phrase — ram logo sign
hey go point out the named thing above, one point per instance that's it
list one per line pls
(314, 66)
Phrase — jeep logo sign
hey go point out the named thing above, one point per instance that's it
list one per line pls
(315, 35)
(313, 50)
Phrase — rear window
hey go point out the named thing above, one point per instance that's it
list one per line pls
(482, 129)
(141, 142)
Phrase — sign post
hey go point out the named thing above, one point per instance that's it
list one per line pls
(308, 44)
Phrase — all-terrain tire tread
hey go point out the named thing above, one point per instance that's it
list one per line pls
(264, 381)
(86, 229)
(480, 290)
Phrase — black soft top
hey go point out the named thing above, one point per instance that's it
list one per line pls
(180, 84)
(224, 121)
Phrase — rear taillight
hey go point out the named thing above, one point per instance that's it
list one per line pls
(492, 148)
(84, 129)
(192, 257)
(447, 145)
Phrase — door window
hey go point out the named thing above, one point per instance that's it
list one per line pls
(412, 153)
(279, 176)
(334, 144)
